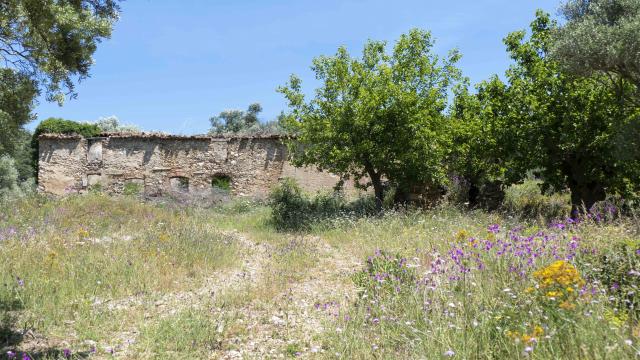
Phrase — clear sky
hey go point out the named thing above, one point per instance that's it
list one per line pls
(170, 65)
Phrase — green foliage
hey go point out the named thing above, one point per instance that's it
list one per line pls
(377, 117)
(476, 157)
(570, 127)
(526, 201)
(240, 122)
(52, 42)
(601, 36)
(9, 185)
(17, 96)
(60, 126)
(291, 209)
(132, 188)
(221, 182)
(385, 275)
(289, 206)
(112, 124)
(293, 350)
(617, 267)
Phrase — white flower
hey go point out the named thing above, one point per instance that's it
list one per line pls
(628, 342)
(528, 349)
(449, 353)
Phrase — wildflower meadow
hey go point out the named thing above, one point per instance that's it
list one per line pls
(223, 282)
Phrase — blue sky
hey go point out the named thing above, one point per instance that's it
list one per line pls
(170, 65)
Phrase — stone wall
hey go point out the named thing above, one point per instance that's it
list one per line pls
(161, 164)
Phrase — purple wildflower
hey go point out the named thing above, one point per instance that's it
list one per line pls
(494, 228)
(449, 353)
(26, 357)
(66, 353)
(615, 286)
(20, 281)
(11, 355)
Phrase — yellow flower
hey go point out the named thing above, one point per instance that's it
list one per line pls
(566, 305)
(462, 235)
(82, 234)
(554, 294)
(538, 331)
(560, 273)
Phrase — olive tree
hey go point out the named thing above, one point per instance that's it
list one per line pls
(600, 36)
(52, 42)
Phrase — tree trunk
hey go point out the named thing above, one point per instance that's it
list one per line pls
(473, 195)
(376, 181)
(584, 196)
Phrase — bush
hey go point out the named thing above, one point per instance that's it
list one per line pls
(289, 206)
(527, 201)
(10, 186)
(291, 209)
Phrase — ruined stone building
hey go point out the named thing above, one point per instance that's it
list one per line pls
(159, 164)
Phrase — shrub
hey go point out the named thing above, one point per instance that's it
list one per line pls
(526, 200)
(384, 275)
(132, 188)
(289, 206)
(221, 182)
(291, 209)
(9, 184)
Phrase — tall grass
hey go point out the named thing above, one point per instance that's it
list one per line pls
(459, 289)
(64, 260)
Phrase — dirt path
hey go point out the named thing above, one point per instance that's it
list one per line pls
(291, 320)
(265, 327)
(249, 273)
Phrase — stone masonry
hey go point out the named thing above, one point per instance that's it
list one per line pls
(159, 164)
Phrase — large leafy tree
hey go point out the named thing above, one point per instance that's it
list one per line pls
(17, 93)
(578, 131)
(44, 46)
(478, 157)
(601, 36)
(52, 42)
(377, 117)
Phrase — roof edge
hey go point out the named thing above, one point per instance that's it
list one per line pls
(157, 135)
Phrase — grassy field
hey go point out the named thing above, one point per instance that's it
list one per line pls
(99, 277)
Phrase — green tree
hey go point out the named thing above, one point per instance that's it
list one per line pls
(112, 124)
(378, 117)
(477, 159)
(235, 121)
(52, 42)
(576, 129)
(601, 36)
(17, 94)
